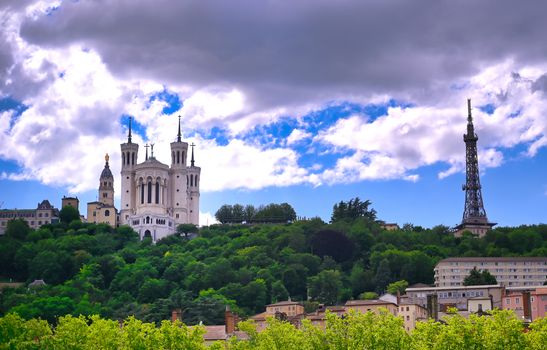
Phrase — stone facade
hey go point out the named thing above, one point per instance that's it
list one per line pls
(157, 197)
(44, 214)
(508, 271)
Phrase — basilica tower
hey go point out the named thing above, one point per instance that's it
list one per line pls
(179, 154)
(106, 185)
(192, 181)
(130, 152)
(474, 216)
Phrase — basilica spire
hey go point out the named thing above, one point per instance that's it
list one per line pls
(179, 134)
(192, 160)
(129, 135)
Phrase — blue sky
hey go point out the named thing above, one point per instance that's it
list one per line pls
(308, 104)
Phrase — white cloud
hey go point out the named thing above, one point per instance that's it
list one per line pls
(297, 135)
(76, 99)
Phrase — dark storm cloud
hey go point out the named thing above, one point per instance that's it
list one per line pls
(280, 53)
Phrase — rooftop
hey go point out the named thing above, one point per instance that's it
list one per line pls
(368, 302)
(283, 303)
(494, 259)
(486, 286)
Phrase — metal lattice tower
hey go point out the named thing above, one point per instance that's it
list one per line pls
(474, 210)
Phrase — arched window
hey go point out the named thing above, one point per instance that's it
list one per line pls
(187, 180)
(172, 157)
(107, 212)
(127, 158)
(123, 158)
(149, 191)
(178, 157)
(196, 181)
(157, 192)
(148, 219)
(142, 192)
(191, 180)
(133, 158)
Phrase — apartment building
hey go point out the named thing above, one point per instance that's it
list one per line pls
(509, 271)
(456, 296)
(528, 303)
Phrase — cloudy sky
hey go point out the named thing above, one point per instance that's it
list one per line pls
(308, 102)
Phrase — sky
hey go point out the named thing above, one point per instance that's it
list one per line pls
(309, 102)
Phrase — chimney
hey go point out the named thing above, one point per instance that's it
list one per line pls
(229, 320)
(527, 305)
(176, 314)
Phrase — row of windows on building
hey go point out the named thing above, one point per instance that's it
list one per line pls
(128, 158)
(466, 271)
(508, 263)
(23, 215)
(106, 213)
(506, 277)
(468, 294)
(148, 220)
(31, 223)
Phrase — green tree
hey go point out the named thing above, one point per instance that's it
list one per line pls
(279, 292)
(477, 277)
(326, 287)
(398, 286)
(383, 276)
(186, 229)
(352, 210)
(224, 214)
(17, 229)
(68, 214)
(368, 296)
(332, 243)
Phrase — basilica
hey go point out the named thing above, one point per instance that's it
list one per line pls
(155, 197)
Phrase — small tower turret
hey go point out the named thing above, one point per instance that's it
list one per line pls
(106, 185)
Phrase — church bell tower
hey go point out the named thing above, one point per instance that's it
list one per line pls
(130, 152)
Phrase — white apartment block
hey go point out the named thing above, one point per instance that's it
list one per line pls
(508, 271)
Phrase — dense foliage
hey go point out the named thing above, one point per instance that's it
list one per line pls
(271, 213)
(502, 330)
(95, 269)
(479, 277)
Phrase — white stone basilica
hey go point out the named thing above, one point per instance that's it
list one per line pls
(156, 197)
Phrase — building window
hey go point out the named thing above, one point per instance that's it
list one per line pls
(149, 191)
(94, 213)
(508, 301)
(105, 195)
(142, 193)
(157, 193)
(517, 300)
(177, 216)
(107, 212)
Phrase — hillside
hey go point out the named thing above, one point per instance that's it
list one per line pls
(94, 269)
